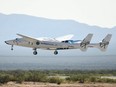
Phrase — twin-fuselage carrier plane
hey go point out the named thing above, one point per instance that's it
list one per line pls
(60, 43)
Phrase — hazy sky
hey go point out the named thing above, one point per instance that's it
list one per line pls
(93, 12)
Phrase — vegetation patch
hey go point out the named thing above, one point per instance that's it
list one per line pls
(57, 76)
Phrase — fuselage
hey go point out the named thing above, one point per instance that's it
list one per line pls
(44, 44)
(60, 43)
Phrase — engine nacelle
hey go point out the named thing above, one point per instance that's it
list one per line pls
(37, 43)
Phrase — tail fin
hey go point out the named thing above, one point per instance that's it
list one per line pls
(85, 42)
(105, 42)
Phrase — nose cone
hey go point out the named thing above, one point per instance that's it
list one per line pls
(6, 42)
(9, 42)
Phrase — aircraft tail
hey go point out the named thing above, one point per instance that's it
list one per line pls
(85, 42)
(105, 42)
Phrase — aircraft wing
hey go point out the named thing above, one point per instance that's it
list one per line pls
(28, 38)
(63, 38)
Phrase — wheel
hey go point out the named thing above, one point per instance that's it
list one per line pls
(56, 52)
(35, 52)
(11, 48)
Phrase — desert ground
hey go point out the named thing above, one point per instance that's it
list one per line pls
(37, 84)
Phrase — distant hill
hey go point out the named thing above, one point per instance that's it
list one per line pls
(37, 27)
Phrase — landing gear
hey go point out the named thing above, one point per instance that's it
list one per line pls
(55, 52)
(11, 47)
(35, 51)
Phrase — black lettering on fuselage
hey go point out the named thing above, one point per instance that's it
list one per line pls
(48, 44)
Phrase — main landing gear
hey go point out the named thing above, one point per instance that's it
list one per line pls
(35, 51)
(55, 52)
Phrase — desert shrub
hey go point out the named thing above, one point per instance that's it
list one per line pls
(43, 76)
(37, 77)
(107, 80)
(4, 79)
(81, 78)
(92, 79)
(19, 80)
(55, 80)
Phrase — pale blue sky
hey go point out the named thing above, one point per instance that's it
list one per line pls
(93, 12)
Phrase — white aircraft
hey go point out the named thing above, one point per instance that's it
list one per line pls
(60, 43)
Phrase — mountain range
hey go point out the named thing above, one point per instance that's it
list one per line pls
(12, 24)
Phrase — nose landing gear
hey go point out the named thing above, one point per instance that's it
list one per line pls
(11, 47)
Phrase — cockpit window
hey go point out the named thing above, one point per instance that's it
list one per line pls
(67, 41)
(70, 41)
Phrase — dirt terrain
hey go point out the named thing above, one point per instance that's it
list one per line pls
(37, 84)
